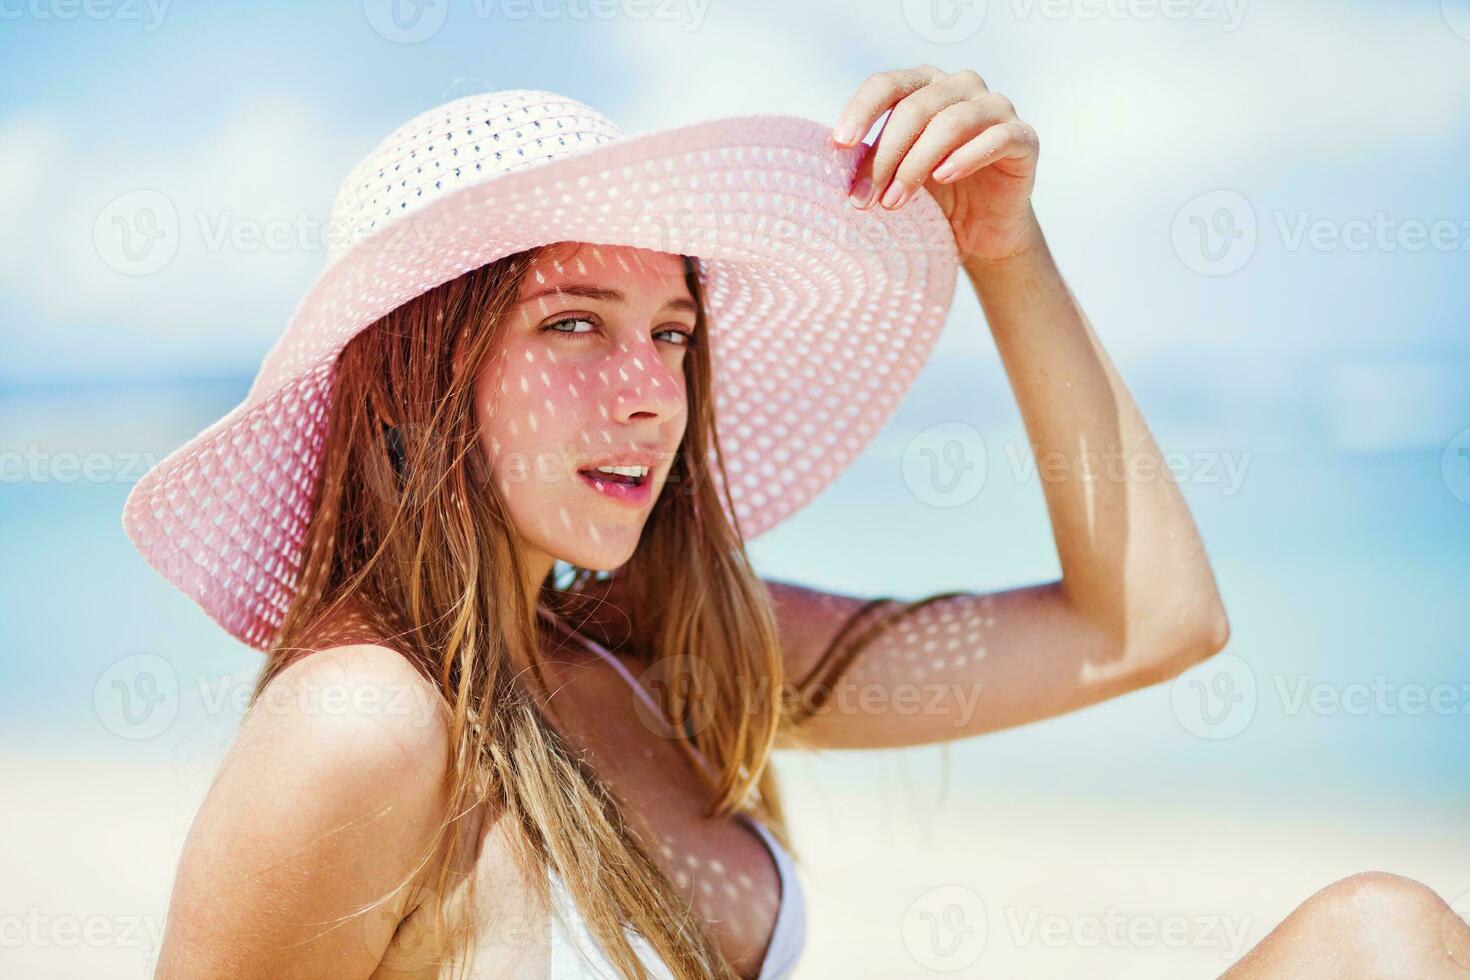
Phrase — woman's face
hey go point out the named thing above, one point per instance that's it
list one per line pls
(591, 374)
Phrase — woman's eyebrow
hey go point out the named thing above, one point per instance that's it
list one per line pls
(606, 294)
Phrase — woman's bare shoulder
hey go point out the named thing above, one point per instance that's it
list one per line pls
(325, 803)
(363, 698)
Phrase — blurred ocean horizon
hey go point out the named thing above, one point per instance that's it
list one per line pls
(1327, 588)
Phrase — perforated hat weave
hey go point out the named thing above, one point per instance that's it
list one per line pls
(820, 315)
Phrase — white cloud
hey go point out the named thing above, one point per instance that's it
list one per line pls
(1136, 117)
(270, 167)
(742, 59)
(32, 151)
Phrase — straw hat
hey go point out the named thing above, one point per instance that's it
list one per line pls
(820, 315)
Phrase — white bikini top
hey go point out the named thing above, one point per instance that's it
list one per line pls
(576, 954)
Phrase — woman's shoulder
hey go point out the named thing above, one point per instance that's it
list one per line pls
(349, 722)
(353, 711)
(332, 790)
(362, 688)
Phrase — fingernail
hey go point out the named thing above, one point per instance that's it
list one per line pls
(944, 171)
(846, 132)
(862, 192)
(893, 195)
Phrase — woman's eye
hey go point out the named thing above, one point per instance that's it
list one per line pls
(571, 319)
(686, 337)
(683, 338)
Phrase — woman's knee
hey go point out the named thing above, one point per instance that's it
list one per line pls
(1390, 923)
(1376, 896)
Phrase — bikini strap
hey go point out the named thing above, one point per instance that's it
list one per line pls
(626, 675)
(605, 654)
(624, 672)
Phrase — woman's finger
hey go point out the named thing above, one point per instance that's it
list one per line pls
(1012, 140)
(953, 127)
(877, 93)
(908, 120)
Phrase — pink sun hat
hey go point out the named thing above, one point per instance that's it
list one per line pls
(820, 315)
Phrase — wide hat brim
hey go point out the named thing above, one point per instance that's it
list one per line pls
(820, 315)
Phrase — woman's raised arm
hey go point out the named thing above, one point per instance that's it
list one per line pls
(1137, 601)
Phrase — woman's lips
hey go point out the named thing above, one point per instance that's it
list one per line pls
(622, 493)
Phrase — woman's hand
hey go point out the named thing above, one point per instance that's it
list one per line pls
(961, 141)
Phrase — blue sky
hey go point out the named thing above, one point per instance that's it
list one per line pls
(1309, 113)
(1339, 372)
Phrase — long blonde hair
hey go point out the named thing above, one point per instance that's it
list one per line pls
(408, 528)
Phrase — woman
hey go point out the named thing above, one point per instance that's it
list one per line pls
(530, 773)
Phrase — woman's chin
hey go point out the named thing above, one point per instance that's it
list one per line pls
(612, 555)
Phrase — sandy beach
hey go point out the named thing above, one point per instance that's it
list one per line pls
(898, 885)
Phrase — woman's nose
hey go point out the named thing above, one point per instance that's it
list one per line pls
(642, 384)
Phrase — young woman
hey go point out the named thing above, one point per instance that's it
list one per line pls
(485, 511)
